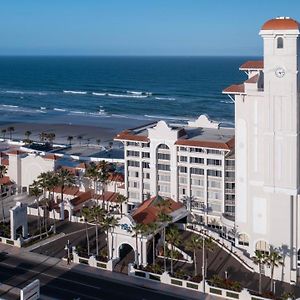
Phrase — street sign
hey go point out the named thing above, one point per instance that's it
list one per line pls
(31, 291)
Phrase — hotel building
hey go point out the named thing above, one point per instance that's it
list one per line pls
(192, 163)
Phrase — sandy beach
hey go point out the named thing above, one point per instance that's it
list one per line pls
(106, 131)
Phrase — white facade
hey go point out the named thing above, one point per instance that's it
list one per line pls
(191, 163)
(267, 150)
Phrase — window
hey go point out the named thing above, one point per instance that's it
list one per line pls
(132, 163)
(197, 182)
(214, 195)
(280, 43)
(164, 178)
(214, 162)
(145, 154)
(196, 150)
(146, 186)
(214, 173)
(182, 169)
(134, 184)
(214, 184)
(164, 188)
(162, 146)
(197, 171)
(198, 193)
(133, 195)
(243, 240)
(183, 148)
(133, 174)
(163, 167)
(133, 153)
(133, 144)
(212, 151)
(196, 160)
(146, 175)
(182, 158)
(146, 165)
(163, 156)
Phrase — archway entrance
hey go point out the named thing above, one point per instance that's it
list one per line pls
(124, 250)
(66, 214)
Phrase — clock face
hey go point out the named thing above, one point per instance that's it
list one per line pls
(280, 72)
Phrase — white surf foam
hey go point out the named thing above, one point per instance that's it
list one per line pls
(58, 109)
(99, 94)
(165, 98)
(75, 92)
(126, 96)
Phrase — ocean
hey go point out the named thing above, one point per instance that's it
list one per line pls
(84, 90)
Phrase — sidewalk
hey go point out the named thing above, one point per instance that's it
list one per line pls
(112, 276)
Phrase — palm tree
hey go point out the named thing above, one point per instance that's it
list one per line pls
(37, 192)
(92, 173)
(52, 182)
(194, 244)
(164, 205)
(64, 179)
(274, 259)
(51, 137)
(79, 138)
(69, 139)
(109, 222)
(260, 260)
(138, 229)
(3, 131)
(86, 213)
(10, 129)
(43, 136)
(173, 238)
(97, 215)
(121, 199)
(103, 175)
(98, 141)
(3, 171)
(152, 228)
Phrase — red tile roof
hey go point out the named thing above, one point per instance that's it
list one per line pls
(15, 152)
(252, 65)
(235, 89)
(253, 79)
(129, 136)
(107, 196)
(281, 24)
(68, 190)
(148, 211)
(83, 197)
(51, 156)
(208, 144)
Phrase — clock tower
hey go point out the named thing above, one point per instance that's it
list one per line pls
(281, 104)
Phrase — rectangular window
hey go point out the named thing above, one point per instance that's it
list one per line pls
(145, 154)
(214, 173)
(146, 186)
(196, 160)
(182, 169)
(198, 182)
(134, 184)
(133, 174)
(196, 150)
(212, 151)
(197, 171)
(183, 148)
(214, 162)
(163, 156)
(133, 153)
(133, 144)
(166, 178)
(164, 188)
(214, 184)
(214, 195)
(146, 175)
(133, 195)
(146, 165)
(198, 193)
(163, 167)
(182, 158)
(132, 163)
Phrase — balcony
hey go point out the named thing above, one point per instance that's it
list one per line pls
(227, 220)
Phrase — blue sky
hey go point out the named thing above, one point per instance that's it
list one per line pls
(137, 27)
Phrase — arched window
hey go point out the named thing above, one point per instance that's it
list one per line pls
(262, 246)
(243, 239)
(279, 42)
(163, 146)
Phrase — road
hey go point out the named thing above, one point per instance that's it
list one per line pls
(59, 282)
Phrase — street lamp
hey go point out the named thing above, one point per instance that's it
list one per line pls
(68, 252)
(203, 260)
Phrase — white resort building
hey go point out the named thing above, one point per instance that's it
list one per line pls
(192, 163)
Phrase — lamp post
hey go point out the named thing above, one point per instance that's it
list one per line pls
(68, 252)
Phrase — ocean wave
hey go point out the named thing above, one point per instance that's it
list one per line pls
(59, 109)
(227, 101)
(126, 96)
(17, 109)
(99, 94)
(8, 105)
(25, 92)
(43, 108)
(166, 117)
(75, 92)
(165, 98)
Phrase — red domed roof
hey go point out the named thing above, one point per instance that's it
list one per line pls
(281, 23)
